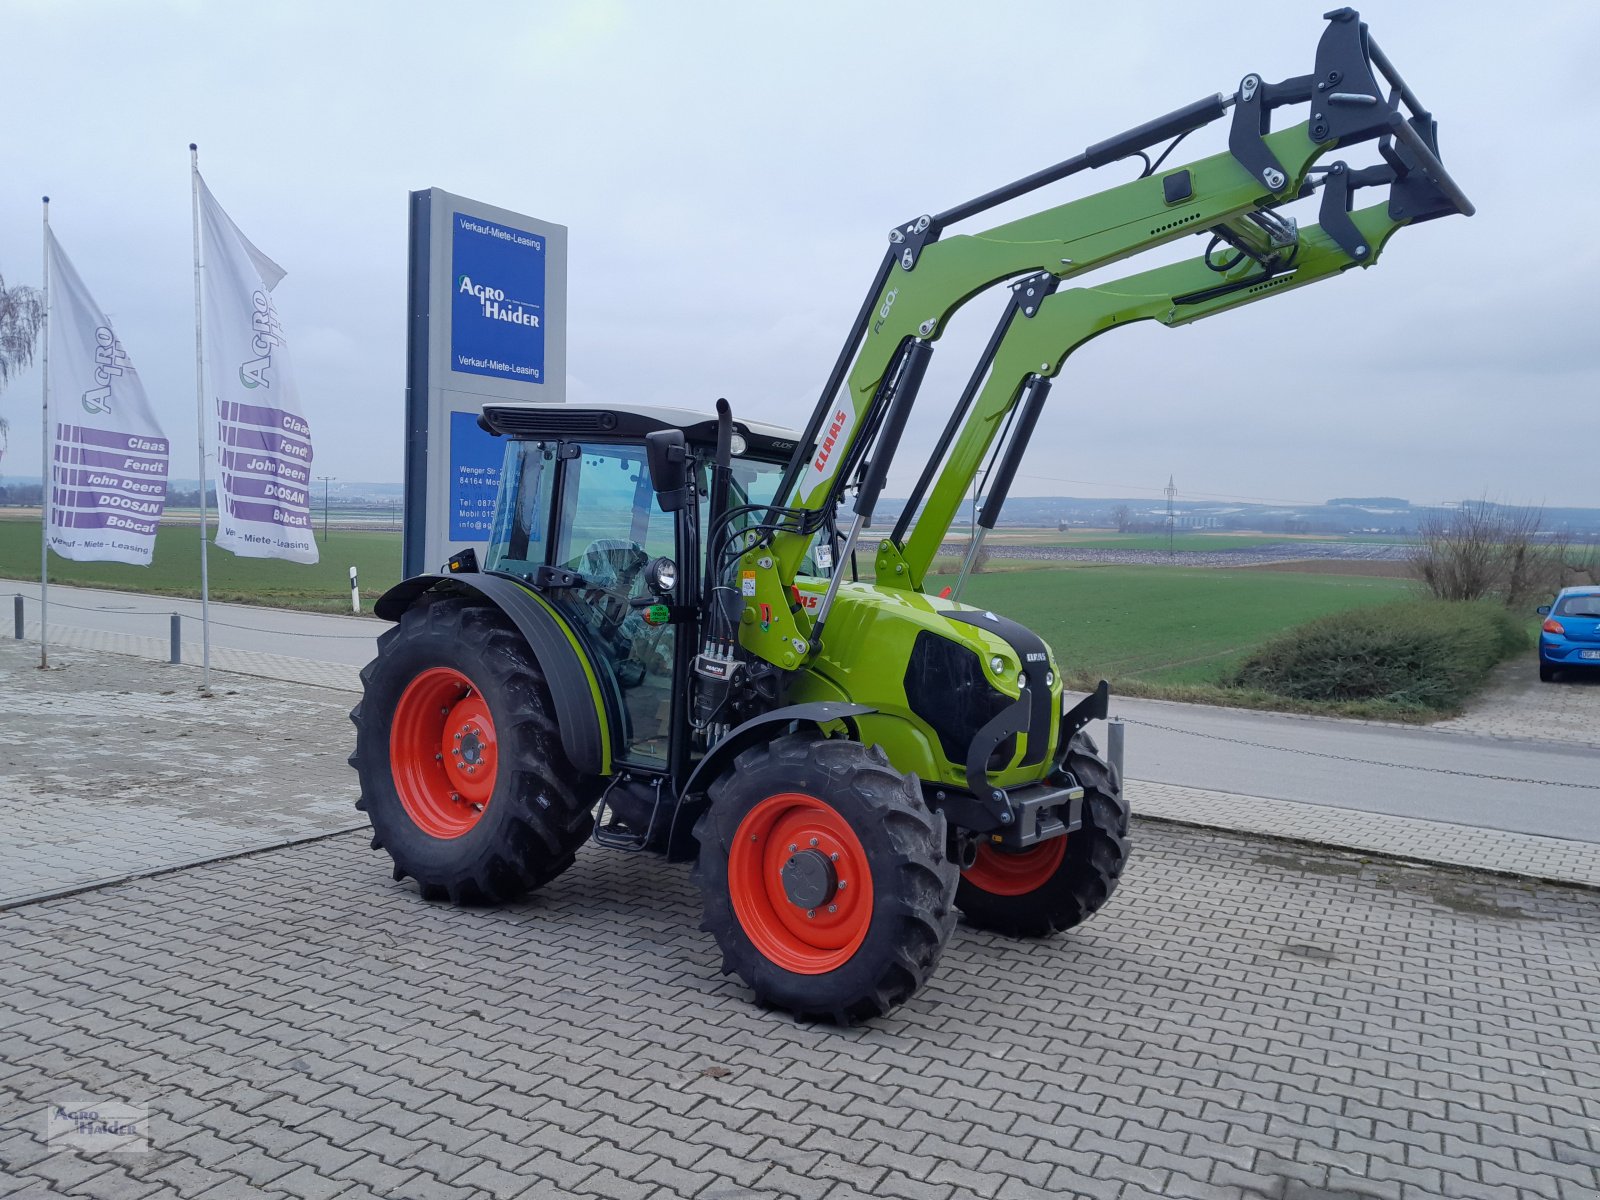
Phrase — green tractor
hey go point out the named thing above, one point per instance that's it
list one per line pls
(674, 645)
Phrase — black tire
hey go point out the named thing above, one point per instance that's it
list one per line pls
(1089, 868)
(1547, 673)
(901, 842)
(539, 811)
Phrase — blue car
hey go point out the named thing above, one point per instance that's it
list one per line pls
(1571, 633)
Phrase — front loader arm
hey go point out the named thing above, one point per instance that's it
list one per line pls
(1035, 348)
(1081, 235)
(866, 401)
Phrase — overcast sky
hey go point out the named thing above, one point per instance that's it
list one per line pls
(728, 173)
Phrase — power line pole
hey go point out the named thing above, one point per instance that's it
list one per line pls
(1171, 491)
(326, 479)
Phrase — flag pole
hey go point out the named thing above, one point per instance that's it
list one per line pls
(200, 412)
(44, 477)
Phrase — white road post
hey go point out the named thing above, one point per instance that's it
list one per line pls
(355, 593)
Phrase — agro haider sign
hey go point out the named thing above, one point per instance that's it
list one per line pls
(497, 315)
(487, 310)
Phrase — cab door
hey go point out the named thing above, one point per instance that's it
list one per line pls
(607, 526)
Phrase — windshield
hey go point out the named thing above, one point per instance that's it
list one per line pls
(756, 483)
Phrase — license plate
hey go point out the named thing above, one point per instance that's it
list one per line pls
(1589, 653)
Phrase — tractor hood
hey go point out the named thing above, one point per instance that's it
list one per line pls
(939, 674)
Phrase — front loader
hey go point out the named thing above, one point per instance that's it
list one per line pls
(669, 648)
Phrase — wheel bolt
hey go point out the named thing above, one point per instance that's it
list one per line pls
(810, 912)
(834, 857)
(793, 847)
(813, 841)
(455, 797)
(438, 758)
(843, 883)
(833, 908)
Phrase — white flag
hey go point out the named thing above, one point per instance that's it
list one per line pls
(108, 464)
(263, 438)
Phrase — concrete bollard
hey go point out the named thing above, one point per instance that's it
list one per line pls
(18, 610)
(1114, 734)
(177, 639)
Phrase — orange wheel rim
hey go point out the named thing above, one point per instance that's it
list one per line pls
(800, 884)
(1005, 874)
(443, 753)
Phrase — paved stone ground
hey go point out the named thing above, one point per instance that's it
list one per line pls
(1517, 705)
(1241, 1022)
(110, 765)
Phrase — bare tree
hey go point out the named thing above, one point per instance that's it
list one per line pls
(1482, 549)
(1123, 516)
(21, 316)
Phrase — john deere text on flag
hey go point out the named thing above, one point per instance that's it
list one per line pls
(263, 444)
(108, 468)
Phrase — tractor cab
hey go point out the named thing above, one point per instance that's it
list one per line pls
(578, 518)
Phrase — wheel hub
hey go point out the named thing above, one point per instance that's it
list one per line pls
(809, 879)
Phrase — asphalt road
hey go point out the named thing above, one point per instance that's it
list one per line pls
(1497, 783)
(322, 637)
(1522, 786)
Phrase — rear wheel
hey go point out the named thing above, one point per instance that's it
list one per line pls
(1062, 882)
(460, 760)
(1547, 673)
(824, 878)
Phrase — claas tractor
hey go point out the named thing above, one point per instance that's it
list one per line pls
(684, 640)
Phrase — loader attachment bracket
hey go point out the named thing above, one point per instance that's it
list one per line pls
(1096, 706)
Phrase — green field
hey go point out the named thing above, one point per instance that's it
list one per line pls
(175, 570)
(1149, 628)
(1103, 539)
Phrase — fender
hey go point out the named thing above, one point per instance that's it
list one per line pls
(753, 732)
(585, 728)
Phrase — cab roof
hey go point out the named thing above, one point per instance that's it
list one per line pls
(626, 423)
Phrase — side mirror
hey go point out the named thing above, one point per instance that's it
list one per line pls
(668, 458)
(1543, 610)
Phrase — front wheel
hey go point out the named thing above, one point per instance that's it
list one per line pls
(824, 878)
(1060, 883)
